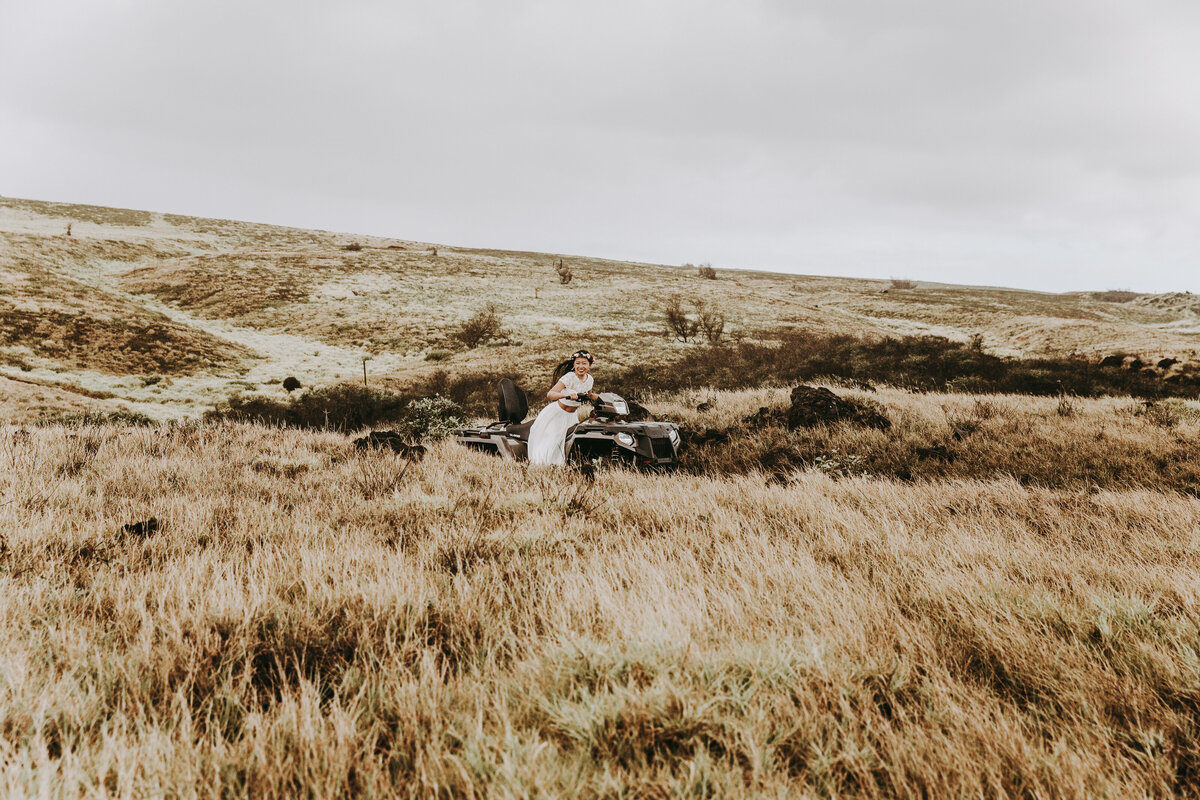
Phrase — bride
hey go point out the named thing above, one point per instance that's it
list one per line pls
(548, 435)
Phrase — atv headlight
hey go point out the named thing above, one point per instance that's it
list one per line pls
(620, 408)
(625, 439)
(673, 435)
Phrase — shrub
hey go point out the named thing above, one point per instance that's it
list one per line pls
(291, 384)
(342, 407)
(429, 418)
(437, 355)
(482, 327)
(1162, 414)
(903, 283)
(89, 419)
(564, 273)
(678, 323)
(353, 247)
(710, 319)
(707, 272)
(1116, 296)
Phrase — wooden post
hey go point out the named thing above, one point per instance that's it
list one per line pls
(365, 374)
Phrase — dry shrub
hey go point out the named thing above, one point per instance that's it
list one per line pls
(484, 326)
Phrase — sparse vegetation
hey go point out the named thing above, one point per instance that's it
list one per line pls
(564, 273)
(1117, 296)
(902, 283)
(918, 362)
(707, 272)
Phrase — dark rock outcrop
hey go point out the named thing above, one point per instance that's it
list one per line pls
(1167, 363)
(813, 406)
(390, 440)
(1113, 361)
(141, 530)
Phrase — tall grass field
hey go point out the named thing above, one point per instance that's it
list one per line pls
(230, 610)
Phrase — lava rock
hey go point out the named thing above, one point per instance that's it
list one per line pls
(390, 440)
(812, 405)
(141, 530)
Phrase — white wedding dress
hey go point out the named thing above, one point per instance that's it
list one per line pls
(548, 436)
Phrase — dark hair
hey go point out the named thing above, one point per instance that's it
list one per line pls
(569, 364)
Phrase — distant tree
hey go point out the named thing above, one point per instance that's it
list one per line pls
(710, 320)
(482, 327)
(678, 323)
(290, 384)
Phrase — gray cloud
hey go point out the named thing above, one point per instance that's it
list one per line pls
(1049, 145)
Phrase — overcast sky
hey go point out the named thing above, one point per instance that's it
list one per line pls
(1048, 144)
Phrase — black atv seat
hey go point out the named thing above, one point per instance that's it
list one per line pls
(520, 431)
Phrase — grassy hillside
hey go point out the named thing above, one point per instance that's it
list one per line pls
(993, 595)
(222, 307)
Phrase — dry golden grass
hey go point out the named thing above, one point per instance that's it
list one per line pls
(312, 621)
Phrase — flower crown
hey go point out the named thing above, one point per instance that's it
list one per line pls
(583, 354)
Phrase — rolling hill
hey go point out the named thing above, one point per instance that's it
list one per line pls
(166, 315)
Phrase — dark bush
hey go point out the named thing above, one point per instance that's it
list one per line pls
(925, 363)
(89, 419)
(678, 323)
(707, 272)
(482, 327)
(343, 407)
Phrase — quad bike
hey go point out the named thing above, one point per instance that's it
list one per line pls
(604, 436)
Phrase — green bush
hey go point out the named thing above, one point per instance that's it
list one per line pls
(431, 418)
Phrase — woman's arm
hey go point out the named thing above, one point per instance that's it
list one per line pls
(556, 392)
